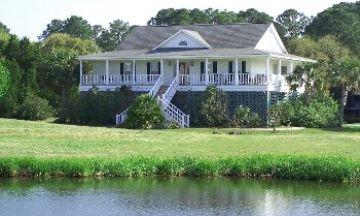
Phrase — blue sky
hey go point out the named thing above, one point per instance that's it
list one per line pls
(29, 17)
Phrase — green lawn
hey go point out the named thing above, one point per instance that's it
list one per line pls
(40, 139)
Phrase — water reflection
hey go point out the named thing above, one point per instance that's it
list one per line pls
(176, 197)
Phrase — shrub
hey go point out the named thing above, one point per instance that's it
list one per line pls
(144, 113)
(213, 108)
(315, 111)
(35, 108)
(244, 117)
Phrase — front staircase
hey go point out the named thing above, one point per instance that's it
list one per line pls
(164, 95)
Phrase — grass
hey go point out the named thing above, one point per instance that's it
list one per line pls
(47, 149)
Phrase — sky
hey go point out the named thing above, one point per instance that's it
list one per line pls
(30, 17)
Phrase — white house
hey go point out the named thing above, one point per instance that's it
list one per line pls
(176, 63)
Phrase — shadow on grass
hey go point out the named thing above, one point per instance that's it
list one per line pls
(349, 128)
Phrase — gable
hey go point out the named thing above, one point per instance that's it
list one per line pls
(271, 41)
(184, 39)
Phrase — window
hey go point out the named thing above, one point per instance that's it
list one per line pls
(284, 70)
(128, 67)
(155, 68)
(183, 43)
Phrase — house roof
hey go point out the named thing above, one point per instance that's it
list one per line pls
(235, 36)
(236, 40)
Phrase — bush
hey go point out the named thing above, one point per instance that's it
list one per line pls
(213, 108)
(144, 113)
(35, 108)
(315, 111)
(244, 117)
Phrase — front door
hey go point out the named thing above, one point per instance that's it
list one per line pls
(183, 72)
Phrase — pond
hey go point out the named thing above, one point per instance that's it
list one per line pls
(178, 196)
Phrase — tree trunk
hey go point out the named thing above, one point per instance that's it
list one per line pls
(343, 101)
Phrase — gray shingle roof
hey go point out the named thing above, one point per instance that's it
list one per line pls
(236, 36)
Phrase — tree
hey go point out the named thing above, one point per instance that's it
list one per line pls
(254, 16)
(59, 68)
(336, 67)
(97, 29)
(4, 28)
(118, 29)
(55, 26)
(4, 78)
(342, 21)
(74, 26)
(183, 16)
(293, 22)
(78, 27)
(346, 76)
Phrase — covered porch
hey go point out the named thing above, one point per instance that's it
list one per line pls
(241, 71)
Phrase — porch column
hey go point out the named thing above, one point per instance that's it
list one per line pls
(177, 67)
(107, 72)
(291, 67)
(279, 69)
(236, 71)
(133, 71)
(268, 70)
(81, 71)
(161, 67)
(206, 71)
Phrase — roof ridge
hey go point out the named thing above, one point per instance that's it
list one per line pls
(232, 24)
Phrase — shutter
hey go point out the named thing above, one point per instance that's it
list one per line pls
(159, 67)
(202, 67)
(243, 67)
(214, 67)
(122, 68)
(230, 67)
(148, 68)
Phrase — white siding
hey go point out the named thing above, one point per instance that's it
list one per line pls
(270, 41)
(175, 41)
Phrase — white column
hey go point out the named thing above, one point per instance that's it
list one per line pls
(279, 69)
(268, 75)
(107, 72)
(291, 67)
(133, 71)
(177, 67)
(81, 71)
(236, 71)
(161, 67)
(206, 71)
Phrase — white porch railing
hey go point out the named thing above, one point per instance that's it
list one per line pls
(119, 80)
(191, 79)
(90, 80)
(173, 113)
(223, 79)
(170, 92)
(154, 90)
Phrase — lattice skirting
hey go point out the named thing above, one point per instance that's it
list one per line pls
(189, 102)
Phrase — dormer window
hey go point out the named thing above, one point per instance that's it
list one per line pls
(183, 43)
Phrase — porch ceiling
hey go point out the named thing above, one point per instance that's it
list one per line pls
(189, 53)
